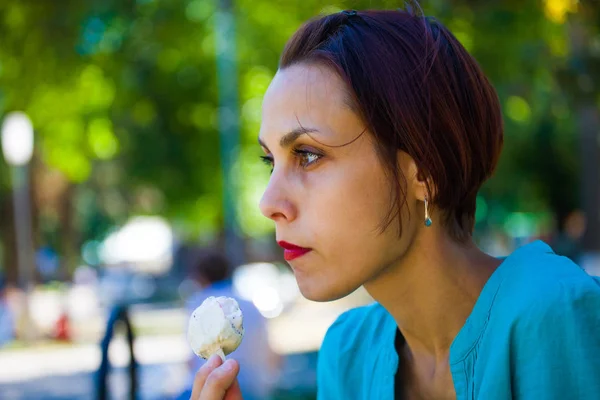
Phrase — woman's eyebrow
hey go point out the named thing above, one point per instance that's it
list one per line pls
(291, 136)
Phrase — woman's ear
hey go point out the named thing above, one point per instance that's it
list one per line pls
(416, 180)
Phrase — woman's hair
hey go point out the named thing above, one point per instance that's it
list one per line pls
(417, 90)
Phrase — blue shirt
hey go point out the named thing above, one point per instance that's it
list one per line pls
(534, 333)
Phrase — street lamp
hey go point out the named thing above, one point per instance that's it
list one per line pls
(17, 139)
(17, 147)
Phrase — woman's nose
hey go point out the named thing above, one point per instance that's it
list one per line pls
(276, 203)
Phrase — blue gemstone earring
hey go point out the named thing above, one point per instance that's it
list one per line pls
(427, 219)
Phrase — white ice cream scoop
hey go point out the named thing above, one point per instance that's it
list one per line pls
(216, 327)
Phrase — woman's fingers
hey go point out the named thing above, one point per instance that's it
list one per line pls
(219, 381)
(203, 373)
(234, 392)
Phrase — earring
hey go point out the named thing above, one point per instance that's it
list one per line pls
(427, 219)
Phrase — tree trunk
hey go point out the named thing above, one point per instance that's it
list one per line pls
(7, 236)
(583, 86)
(589, 126)
(69, 239)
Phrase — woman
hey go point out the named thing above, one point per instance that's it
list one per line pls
(380, 129)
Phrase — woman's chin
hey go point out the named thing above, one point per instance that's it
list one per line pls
(320, 292)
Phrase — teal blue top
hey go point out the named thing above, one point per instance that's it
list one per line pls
(534, 333)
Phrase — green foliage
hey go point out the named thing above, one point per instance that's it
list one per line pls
(125, 92)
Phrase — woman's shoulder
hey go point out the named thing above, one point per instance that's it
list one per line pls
(543, 288)
(537, 275)
(533, 290)
(355, 327)
(554, 329)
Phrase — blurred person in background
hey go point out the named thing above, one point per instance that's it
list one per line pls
(567, 240)
(379, 129)
(7, 325)
(211, 272)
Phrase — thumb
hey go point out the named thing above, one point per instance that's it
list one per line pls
(220, 380)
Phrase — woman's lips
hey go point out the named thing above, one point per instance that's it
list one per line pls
(291, 251)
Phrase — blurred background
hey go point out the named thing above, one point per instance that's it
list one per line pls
(130, 167)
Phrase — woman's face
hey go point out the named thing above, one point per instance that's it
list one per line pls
(329, 201)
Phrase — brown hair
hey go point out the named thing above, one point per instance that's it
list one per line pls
(207, 264)
(418, 90)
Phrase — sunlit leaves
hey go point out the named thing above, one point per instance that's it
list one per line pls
(199, 10)
(95, 91)
(517, 109)
(556, 10)
(101, 138)
(15, 17)
(134, 84)
(143, 112)
(251, 187)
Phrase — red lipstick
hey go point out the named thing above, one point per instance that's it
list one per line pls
(291, 251)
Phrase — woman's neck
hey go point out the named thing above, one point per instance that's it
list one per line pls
(432, 291)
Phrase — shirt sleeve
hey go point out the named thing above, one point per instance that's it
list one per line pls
(328, 365)
(556, 345)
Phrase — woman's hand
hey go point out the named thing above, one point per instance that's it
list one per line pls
(216, 380)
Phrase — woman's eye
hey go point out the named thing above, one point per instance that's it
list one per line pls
(307, 158)
(268, 161)
(311, 157)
